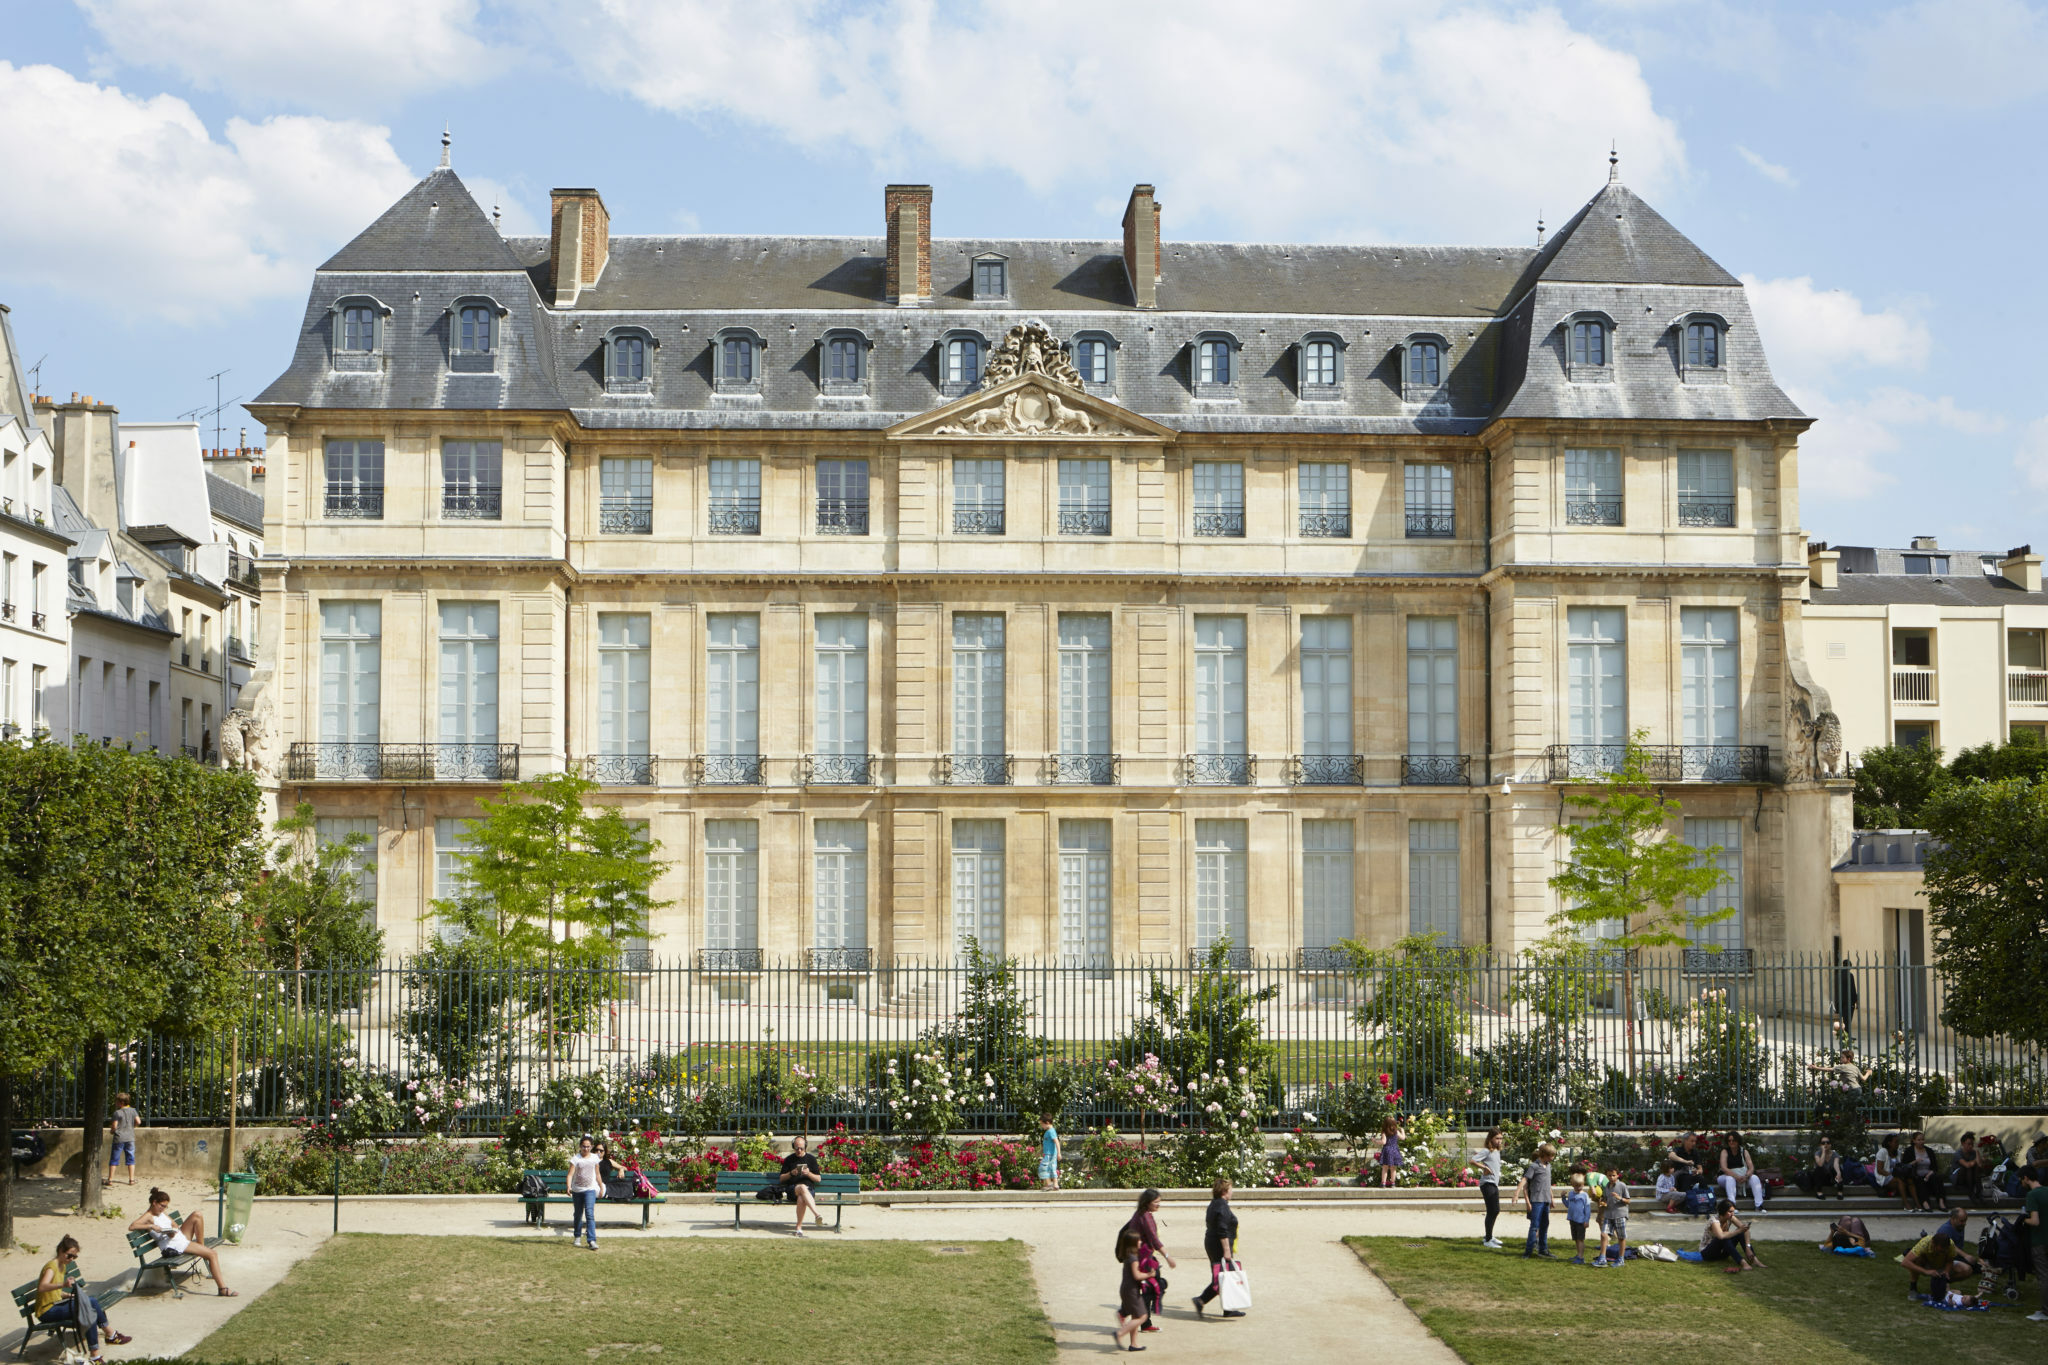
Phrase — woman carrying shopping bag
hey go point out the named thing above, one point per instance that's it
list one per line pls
(1219, 1242)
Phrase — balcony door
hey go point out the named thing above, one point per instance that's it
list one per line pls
(350, 650)
(469, 680)
(1084, 893)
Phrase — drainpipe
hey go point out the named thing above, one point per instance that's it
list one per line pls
(1488, 836)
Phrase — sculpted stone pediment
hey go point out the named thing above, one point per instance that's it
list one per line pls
(1031, 392)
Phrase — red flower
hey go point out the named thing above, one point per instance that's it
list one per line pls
(1385, 1079)
(1347, 1075)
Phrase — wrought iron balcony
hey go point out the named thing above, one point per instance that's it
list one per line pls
(242, 572)
(735, 517)
(730, 959)
(1727, 962)
(975, 770)
(1083, 770)
(1425, 525)
(39, 620)
(338, 761)
(636, 959)
(839, 959)
(977, 518)
(1326, 525)
(238, 650)
(1592, 511)
(1218, 770)
(1322, 959)
(360, 504)
(621, 770)
(839, 770)
(842, 516)
(1663, 762)
(1084, 521)
(1328, 770)
(190, 751)
(1220, 523)
(472, 504)
(625, 516)
(1234, 958)
(1694, 511)
(6, 611)
(1436, 770)
(9, 730)
(728, 770)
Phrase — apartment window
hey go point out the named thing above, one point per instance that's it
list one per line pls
(1702, 346)
(10, 566)
(453, 848)
(625, 497)
(7, 713)
(626, 362)
(1913, 734)
(1084, 893)
(625, 681)
(474, 326)
(845, 361)
(1085, 748)
(1924, 564)
(469, 686)
(1592, 487)
(472, 479)
(358, 328)
(1597, 681)
(962, 363)
(991, 279)
(35, 595)
(1318, 365)
(732, 693)
(1325, 500)
(38, 680)
(360, 864)
(1326, 873)
(1433, 879)
(1589, 343)
(736, 360)
(350, 650)
(1222, 898)
(1706, 488)
(1725, 836)
(735, 498)
(1220, 755)
(1213, 357)
(841, 695)
(978, 885)
(355, 479)
(1092, 359)
(1425, 364)
(1219, 498)
(839, 884)
(1084, 497)
(843, 497)
(977, 497)
(185, 743)
(1432, 686)
(732, 877)
(1427, 498)
(1326, 736)
(156, 713)
(1707, 675)
(978, 729)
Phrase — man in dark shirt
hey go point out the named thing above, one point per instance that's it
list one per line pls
(2034, 1222)
(1219, 1243)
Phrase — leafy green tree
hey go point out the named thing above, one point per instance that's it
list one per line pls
(2021, 756)
(1415, 995)
(308, 914)
(1894, 783)
(1987, 892)
(1211, 1024)
(991, 1035)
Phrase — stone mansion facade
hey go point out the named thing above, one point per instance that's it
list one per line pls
(1094, 598)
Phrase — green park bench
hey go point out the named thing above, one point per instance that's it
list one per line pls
(172, 1264)
(740, 1188)
(558, 1193)
(25, 1304)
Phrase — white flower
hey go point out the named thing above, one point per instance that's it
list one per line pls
(1307, 1117)
(1241, 1071)
(1554, 1133)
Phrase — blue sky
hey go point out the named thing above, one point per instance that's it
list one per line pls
(175, 168)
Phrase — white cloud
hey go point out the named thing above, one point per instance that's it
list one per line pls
(1769, 170)
(2032, 458)
(1813, 333)
(1970, 54)
(338, 56)
(132, 200)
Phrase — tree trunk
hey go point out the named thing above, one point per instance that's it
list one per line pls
(92, 1090)
(7, 1165)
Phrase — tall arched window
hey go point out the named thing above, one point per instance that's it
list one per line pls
(1425, 364)
(963, 361)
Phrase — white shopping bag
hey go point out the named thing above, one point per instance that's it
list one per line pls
(1236, 1287)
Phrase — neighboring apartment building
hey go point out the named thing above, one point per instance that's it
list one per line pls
(1266, 591)
(1924, 645)
(35, 629)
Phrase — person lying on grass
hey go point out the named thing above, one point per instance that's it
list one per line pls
(1726, 1238)
(1847, 1231)
(181, 1239)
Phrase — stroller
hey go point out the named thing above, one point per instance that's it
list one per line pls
(2002, 1247)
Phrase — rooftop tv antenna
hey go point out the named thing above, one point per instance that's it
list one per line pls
(215, 411)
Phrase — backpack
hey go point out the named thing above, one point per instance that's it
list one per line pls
(533, 1187)
(1697, 1200)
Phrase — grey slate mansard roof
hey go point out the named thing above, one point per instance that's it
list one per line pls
(1876, 577)
(1502, 311)
(232, 502)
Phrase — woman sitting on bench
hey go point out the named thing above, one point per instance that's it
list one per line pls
(55, 1301)
(800, 1172)
(180, 1239)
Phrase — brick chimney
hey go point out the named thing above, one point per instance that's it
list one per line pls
(1141, 246)
(1926, 543)
(580, 243)
(1823, 565)
(2022, 567)
(908, 210)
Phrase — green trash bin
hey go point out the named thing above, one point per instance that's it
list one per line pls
(241, 1200)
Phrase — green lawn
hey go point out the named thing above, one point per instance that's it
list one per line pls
(370, 1300)
(1494, 1308)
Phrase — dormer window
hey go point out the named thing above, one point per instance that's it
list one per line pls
(473, 327)
(1215, 365)
(626, 368)
(1423, 366)
(960, 363)
(1094, 358)
(736, 356)
(1588, 347)
(1589, 343)
(1319, 358)
(358, 332)
(473, 335)
(842, 364)
(991, 278)
(358, 328)
(1700, 346)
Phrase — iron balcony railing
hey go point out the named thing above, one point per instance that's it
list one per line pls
(190, 751)
(621, 770)
(1663, 762)
(1694, 511)
(1592, 511)
(730, 959)
(1323, 959)
(1084, 521)
(6, 611)
(975, 770)
(842, 516)
(1913, 682)
(839, 770)
(1725, 962)
(242, 571)
(735, 517)
(1234, 958)
(1083, 770)
(355, 504)
(1211, 523)
(625, 516)
(839, 959)
(472, 504)
(1218, 770)
(1436, 770)
(342, 761)
(728, 770)
(1328, 770)
(1428, 525)
(977, 518)
(1326, 525)
(2026, 686)
(239, 651)
(39, 620)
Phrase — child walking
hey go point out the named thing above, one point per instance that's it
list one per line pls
(1390, 1152)
(1614, 1222)
(1048, 1154)
(124, 1123)
(1130, 1305)
(1578, 1212)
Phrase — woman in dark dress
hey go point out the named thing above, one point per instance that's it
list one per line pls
(1145, 1223)
(799, 1173)
(1130, 1302)
(614, 1181)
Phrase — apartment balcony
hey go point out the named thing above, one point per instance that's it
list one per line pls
(839, 770)
(621, 770)
(1662, 762)
(472, 504)
(1706, 511)
(1218, 770)
(334, 761)
(239, 651)
(1436, 770)
(39, 620)
(1234, 958)
(731, 959)
(625, 517)
(727, 770)
(1323, 959)
(1429, 525)
(363, 505)
(2026, 686)
(1726, 962)
(1325, 525)
(1914, 683)
(839, 960)
(1214, 523)
(978, 518)
(975, 770)
(1327, 770)
(6, 611)
(1083, 770)
(1592, 511)
(735, 517)
(1084, 521)
(842, 516)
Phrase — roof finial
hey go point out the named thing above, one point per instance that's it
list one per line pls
(446, 138)
(494, 213)
(1539, 229)
(1613, 163)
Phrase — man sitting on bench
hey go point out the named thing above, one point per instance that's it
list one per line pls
(57, 1302)
(799, 1173)
(180, 1239)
